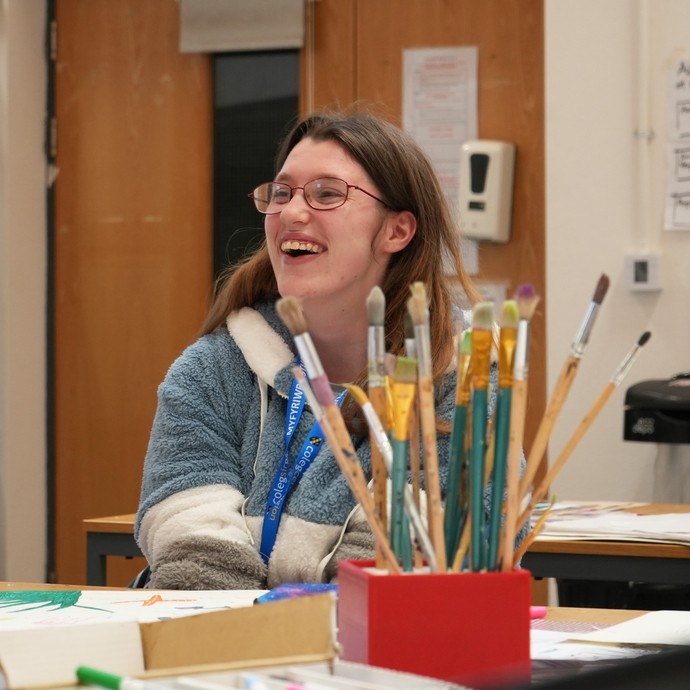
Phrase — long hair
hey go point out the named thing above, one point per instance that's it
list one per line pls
(404, 176)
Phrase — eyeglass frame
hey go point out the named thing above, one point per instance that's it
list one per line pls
(294, 189)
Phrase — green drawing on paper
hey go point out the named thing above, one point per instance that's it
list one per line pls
(30, 599)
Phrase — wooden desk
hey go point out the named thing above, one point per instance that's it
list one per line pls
(108, 536)
(554, 614)
(613, 561)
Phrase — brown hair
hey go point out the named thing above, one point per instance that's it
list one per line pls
(406, 180)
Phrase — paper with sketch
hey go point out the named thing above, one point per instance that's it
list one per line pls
(668, 528)
(654, 628)
(50, 608)
(549, 646)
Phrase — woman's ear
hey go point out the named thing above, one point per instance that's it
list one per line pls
(399, 229)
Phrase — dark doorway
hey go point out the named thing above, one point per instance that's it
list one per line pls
(255, 102)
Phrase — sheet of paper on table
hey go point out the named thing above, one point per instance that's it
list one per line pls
(666, 528)
(653, 628)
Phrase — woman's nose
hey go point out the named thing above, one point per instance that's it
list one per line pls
(297, 206)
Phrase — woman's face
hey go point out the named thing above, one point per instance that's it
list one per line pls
(327, 254)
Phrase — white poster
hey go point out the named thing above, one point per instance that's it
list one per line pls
(677, 197)
(440, 111)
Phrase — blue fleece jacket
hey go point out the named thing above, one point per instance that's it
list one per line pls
(214, 450)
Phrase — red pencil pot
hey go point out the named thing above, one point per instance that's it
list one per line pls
(467, 628)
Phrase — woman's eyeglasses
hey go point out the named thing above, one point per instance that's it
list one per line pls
(322, 194)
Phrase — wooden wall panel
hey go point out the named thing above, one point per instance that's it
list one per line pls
(510, 41)
(328, 59)
(132, 245)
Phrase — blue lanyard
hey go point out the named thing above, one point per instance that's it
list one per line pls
(286, 477)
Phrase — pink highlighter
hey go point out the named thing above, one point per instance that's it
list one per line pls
(537, 612)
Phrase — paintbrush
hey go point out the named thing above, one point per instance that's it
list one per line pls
(534, 533)
(404, 387)
(410, 342)
(482, 340)
(621, 372)
(506, 350)
(562, 387)
(419, 312)
(452, 517)
(415, 461)
(527, 300)
(332, 423)
(376, 351)
(384, 445)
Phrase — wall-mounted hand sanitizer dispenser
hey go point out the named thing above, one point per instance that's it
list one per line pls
(486, 189)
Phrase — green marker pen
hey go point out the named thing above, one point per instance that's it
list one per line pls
(103, 679)
(111, 681)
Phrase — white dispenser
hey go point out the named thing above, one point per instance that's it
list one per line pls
(485, 195)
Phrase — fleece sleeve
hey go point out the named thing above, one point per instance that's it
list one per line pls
(197, 432)
(196, 539)
(356, 544)
(190, 526)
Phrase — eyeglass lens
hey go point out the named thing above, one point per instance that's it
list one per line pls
(323, 193)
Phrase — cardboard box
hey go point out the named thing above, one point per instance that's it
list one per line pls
(468, 628)
(293, 631)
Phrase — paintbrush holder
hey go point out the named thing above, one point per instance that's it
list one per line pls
(467, 628)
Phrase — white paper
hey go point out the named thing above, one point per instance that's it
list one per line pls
(440, 112)
(677, 196)
(49, 656)
(51, 608)
(655, 628)
(668, 528)
(549, 646)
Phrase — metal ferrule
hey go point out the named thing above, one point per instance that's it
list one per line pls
(625, 365)
(578, 346)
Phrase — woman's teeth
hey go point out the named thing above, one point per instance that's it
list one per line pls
(295, 247)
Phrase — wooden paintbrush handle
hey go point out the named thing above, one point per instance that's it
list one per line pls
(346, 456)
(553, 409)
(431, 472)
(415, 472)
(542, 489)
(515, 441)
(377, 397)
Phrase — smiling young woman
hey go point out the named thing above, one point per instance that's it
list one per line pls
(354, 204)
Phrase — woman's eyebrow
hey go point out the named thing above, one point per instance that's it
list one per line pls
(287, 177)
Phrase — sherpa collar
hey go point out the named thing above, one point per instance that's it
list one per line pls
(265, 351)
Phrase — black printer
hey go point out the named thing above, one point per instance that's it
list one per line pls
(658, 411)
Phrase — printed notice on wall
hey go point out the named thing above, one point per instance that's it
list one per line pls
(440, 112)
(677, 203)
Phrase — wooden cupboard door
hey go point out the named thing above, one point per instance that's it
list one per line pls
(509, 36)
(131, 247)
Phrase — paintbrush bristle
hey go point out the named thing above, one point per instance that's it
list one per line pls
(527, 300)
(405, 369)
(601, 289)
(376, 306)
(417, 305)
(509, 314)
(483, 316)
(644, 338)
(290, 311)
